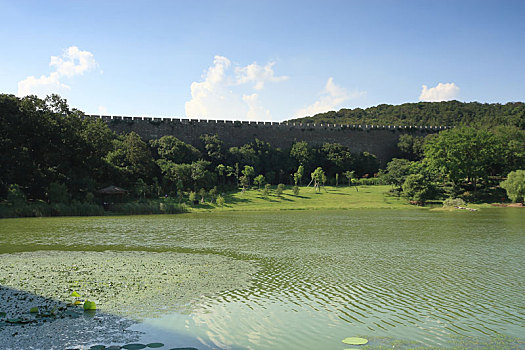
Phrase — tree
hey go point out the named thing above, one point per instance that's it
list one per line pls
(301, 153)
(202, 194)
(318, 177)
(221, 171)
(280, 189)
(266, 191)
(462, 154)
(171, 148)
(199, 173)
(295, 190)
(213, 193)
(411, 146)
(244, 155)
(349, 176)
(418, 188)
(57, 193)
(337, 157)
(248, 171)
(15, 195)
(245, 182)
(175, 175)
(515, 185)
(213, 147)
(259, 180)
(298, 176)
(131, 158)
(397, 171)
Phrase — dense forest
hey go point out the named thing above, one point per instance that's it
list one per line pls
(449, 113)
(54, 158)
(48, 148)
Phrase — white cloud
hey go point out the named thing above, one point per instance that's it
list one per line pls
(255, 110)
(257, 74)
(213, 97)
(331, 97)
(441, 92)
(72, 62)
(41, 86)
(102, 110)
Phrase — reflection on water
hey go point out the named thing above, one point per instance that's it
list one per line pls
(411, 275)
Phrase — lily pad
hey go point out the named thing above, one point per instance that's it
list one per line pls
(113, 347)
(155, 345)
(75, 294)
(90, 305)
(134, 346)
(355, 341)
(34, 310)
(97, 347)
(184, 349)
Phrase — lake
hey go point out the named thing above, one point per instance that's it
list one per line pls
(285, 279)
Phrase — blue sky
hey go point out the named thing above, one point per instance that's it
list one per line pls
(261, 60)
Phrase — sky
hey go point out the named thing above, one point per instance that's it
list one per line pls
(261, 60)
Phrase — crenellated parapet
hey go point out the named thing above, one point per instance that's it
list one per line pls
(380, 140)
(273, 124)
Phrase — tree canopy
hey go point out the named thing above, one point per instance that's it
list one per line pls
(447, 113)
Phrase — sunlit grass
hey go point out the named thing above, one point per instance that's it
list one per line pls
(330, 197)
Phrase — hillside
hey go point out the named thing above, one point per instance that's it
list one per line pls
(449, 113)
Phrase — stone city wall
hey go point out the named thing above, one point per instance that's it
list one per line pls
(380, 140)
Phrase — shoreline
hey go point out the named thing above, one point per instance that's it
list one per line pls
(254, 200)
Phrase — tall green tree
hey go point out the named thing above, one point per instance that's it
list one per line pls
(318, 178)
(213, 147)
(515, 185)
(171, 148)
(462, 154)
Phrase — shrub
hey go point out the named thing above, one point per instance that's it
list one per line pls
(515, 185)
(280, 189)
(295, 190)
(220, 200)
(15, 195)
(202, 194)
(57, 193)
(266, 191)
(454, 202)
(213, 193)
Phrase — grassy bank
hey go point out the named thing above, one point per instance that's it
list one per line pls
(43, 209)
(330, 197)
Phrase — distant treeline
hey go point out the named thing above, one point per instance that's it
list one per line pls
(52, 153)
(54, 160)
(449, 113)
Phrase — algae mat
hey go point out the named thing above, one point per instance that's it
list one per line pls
(127, 286)
(133, 284)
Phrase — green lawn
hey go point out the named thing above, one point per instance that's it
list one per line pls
(331, 197)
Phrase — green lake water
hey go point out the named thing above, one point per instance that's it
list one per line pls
(397, 277)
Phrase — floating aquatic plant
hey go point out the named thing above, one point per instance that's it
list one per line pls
(355, 341)
(134, 346)
(89, 305)
(155, 345)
